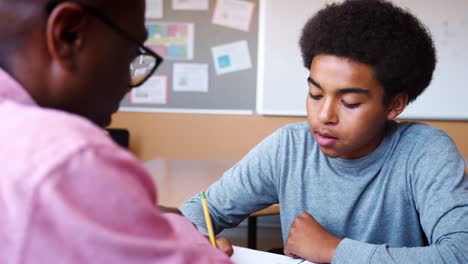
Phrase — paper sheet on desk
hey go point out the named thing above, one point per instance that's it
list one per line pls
(246, 256)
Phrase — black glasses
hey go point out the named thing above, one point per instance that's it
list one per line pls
(146, 61)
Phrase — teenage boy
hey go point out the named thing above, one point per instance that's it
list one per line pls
(354, 185)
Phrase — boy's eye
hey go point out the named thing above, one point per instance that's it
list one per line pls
(351, 106)
(315, 97)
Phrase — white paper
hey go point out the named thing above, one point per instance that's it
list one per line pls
(190, 77)
(154, 9)
(171, 40)
(246, 256)
(231, 57)
(153, 91)
(235, 14)
(190, 4)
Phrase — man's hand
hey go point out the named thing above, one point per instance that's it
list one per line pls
(309, 240)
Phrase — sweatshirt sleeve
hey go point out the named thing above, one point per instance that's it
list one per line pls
(439, 187)
(98, 206)
(248, 186)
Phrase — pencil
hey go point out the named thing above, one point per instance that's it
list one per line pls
(209, 225)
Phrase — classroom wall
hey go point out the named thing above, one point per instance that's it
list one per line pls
(201, 136)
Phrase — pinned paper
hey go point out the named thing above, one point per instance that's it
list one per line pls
(173, 41)
(154, 9)
(235, 14)
(190, 77)
(231, 57)
(190, 4)
(153, 91)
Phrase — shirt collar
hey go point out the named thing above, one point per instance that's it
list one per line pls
(11, 90)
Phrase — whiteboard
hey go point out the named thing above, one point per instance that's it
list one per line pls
(282, 87)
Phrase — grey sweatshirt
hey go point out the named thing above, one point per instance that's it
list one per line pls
(406, 202)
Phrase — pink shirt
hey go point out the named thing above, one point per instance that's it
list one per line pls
(68, 194)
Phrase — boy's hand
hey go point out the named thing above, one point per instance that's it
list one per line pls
(309, 240)
(224, 245)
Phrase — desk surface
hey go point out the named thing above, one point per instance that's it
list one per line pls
(180, 179)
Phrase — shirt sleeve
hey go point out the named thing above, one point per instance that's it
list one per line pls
(439, 187)
(98, 206)
(247, 187)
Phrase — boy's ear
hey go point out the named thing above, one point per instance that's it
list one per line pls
(397, 105)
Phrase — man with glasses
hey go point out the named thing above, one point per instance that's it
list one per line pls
(68, 194)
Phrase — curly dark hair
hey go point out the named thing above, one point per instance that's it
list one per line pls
(392, 41)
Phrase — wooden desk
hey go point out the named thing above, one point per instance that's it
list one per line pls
(466, 164)
(180, 179)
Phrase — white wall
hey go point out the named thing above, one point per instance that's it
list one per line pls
(282, 86)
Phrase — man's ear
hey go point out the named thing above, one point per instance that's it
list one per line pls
(65, 33)
(397, 105)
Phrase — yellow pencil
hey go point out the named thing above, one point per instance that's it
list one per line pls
(209, 225)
